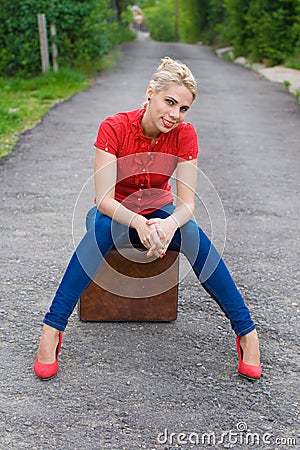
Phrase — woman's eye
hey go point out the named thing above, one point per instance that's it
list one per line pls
(170, 102)
(184, 109)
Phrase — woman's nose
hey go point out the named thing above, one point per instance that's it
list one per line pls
(175, 113)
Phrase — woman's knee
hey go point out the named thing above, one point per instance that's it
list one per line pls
(187, 239)
(195, 244)
(102, 221)
(190, 231)
(90, 218)
(106, 227)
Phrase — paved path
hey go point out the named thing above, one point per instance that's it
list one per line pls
(279, 74)
(282, 74)
(120, 385)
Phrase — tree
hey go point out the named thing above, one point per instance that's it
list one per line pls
(120, 6)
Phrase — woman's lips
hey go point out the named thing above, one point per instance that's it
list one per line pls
(167, 123)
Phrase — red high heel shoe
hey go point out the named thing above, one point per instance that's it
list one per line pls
(48, 371)
(246, 370)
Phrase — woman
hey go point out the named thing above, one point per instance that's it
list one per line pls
(136, 153)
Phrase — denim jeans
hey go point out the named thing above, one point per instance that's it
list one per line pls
(102, 233)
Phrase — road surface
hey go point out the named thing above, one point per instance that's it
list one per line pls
(139, 385)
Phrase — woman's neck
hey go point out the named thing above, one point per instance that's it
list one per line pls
(149, 129)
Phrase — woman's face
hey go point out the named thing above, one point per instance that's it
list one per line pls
(166, 109)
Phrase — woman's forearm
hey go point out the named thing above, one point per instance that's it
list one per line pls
(182, 214)
(114, 209)
(148, 234)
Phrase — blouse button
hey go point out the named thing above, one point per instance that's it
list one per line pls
(144, 170)
(139, 199)
(190, 157)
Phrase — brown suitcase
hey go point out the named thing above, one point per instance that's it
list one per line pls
(129, 287)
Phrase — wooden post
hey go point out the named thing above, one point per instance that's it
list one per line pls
(43, 42)
(54, 47)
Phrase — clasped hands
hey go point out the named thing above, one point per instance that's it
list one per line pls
(155, 234)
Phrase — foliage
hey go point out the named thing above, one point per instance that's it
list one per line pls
(268, 32)
(190, 21)
(263, 30)
(85, 32)
(159, 18)
(121, 6)
(119, 32)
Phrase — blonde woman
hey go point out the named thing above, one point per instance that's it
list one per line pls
(136, 154)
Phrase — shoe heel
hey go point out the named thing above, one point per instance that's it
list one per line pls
(47, 371)
(246, 370)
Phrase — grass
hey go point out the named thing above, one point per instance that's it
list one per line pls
(107, 62)
(293, 63)
(23, 102)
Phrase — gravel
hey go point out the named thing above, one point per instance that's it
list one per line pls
(157, 385)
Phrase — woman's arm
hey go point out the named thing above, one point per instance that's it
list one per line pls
(105, 176)
(186, 181)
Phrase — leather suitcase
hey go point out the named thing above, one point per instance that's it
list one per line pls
(131, 287)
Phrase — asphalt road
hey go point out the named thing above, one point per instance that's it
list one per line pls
(139, 385)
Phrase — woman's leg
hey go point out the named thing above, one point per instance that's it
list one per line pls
(211, 271)
(217, 281)
(214, 276)
(82, 268)
(84, 264)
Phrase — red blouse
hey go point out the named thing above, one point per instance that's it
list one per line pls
(145, 165)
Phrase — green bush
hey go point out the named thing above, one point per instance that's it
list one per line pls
(119, 32)
(160, 20)
(263, 30)
(85, 32)
(190, 20)
(271, 31)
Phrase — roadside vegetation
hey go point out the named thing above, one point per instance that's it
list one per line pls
(88, 34)
(89, 31)
(263, 31)
(25, 101)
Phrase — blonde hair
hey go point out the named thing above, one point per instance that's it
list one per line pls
(173, 71)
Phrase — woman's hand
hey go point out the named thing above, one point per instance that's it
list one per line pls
(165, 228)
(149, 236)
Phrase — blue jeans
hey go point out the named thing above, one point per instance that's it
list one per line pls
(102, 233)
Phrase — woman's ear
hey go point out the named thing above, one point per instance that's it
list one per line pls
(149, 92)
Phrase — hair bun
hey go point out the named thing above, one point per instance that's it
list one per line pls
(173, 71)
(166, 61)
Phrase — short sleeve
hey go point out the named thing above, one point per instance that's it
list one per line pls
(107, 137)
(187, 142)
